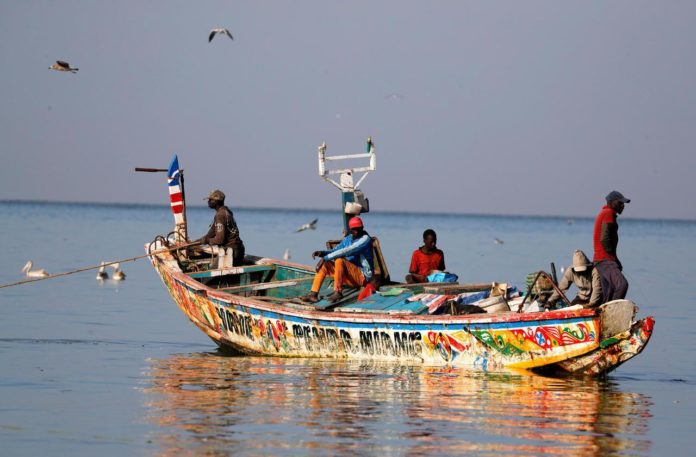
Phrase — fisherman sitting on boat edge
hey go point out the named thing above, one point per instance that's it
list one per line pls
(586, 277)
(350, 263)
(426, 259)
(223, 231)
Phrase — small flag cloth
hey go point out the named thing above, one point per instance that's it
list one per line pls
(176, 198)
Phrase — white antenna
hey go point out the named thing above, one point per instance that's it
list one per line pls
(353, 202)
(346, 180)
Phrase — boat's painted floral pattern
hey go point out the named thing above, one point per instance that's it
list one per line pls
(531, 339)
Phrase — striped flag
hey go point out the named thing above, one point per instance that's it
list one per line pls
(176, 197)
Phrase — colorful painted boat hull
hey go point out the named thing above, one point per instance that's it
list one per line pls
(483, 341)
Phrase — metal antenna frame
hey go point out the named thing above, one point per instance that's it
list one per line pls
(346, 185)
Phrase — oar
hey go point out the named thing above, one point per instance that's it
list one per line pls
(80, 270)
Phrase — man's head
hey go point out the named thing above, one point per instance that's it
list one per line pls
(216, 198)
(429, 239)
(616, 201)
(355, 225)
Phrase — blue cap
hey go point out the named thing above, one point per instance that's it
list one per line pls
(616, 195)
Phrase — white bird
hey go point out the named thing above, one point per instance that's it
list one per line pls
(394, 96)
(61, 65)
(39, 273)
(286, 254)
(311, 225)
(214, 32)
(118, 274)
(102, 274)
(498, 241)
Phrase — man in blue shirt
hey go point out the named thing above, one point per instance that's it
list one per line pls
(350, 263)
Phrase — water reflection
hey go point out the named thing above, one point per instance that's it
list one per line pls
(207, 403)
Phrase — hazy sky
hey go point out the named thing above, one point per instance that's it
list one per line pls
(512, 107)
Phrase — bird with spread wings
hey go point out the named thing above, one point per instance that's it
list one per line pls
(214, 32)
(308, 226)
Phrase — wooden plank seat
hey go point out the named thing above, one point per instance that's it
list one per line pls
(232, 271)
(266, 285)
(393, 304)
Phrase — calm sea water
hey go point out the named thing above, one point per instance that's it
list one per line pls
(116, 369)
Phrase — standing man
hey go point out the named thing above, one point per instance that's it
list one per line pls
(350, 263)
(606, 239)
(425, 259)
(223, 231)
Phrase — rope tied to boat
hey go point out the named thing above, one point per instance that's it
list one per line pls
(104, 264)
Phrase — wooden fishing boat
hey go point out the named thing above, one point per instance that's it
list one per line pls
(253, 309)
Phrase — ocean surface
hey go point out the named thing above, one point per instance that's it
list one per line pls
(113, 369)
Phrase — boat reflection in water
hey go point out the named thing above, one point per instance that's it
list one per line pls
(205, 403)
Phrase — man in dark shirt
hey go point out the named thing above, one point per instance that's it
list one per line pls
(223, 231)
(606, 239)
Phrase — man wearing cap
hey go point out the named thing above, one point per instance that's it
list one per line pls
(606, 239)
(350, 263)
(587, 279)
(223, 231)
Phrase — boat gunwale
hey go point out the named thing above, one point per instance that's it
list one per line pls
(367, 317)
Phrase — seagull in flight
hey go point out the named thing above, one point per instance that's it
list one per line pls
(311, 225)
(214, 32)
(498, 241)
(61, 65)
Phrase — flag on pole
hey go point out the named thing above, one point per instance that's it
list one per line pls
(176, 197)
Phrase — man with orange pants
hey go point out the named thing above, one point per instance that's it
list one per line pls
(349, 263)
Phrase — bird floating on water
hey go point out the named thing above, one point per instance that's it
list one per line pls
(38, 273)
(498, 241)
(310, 225)
(118, 274)
(214, 32)
(62, 65)
(102, 274)
(286, 254)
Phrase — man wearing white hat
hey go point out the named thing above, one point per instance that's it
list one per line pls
(586, 277)
(606, 240)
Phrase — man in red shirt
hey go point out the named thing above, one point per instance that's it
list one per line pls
(426, 259)
(606, 239)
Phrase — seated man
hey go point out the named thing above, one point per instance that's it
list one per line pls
(426, 259)
(223, 231)
(350, 263)
(586, 277)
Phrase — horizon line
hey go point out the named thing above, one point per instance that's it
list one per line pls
(327, 210)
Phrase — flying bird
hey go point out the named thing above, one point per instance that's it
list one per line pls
(61, 65)
(394, 96)
(498, 241)
(214, 32)
(102, 274)
(38, 273)
(311, 225)
(118, 274)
